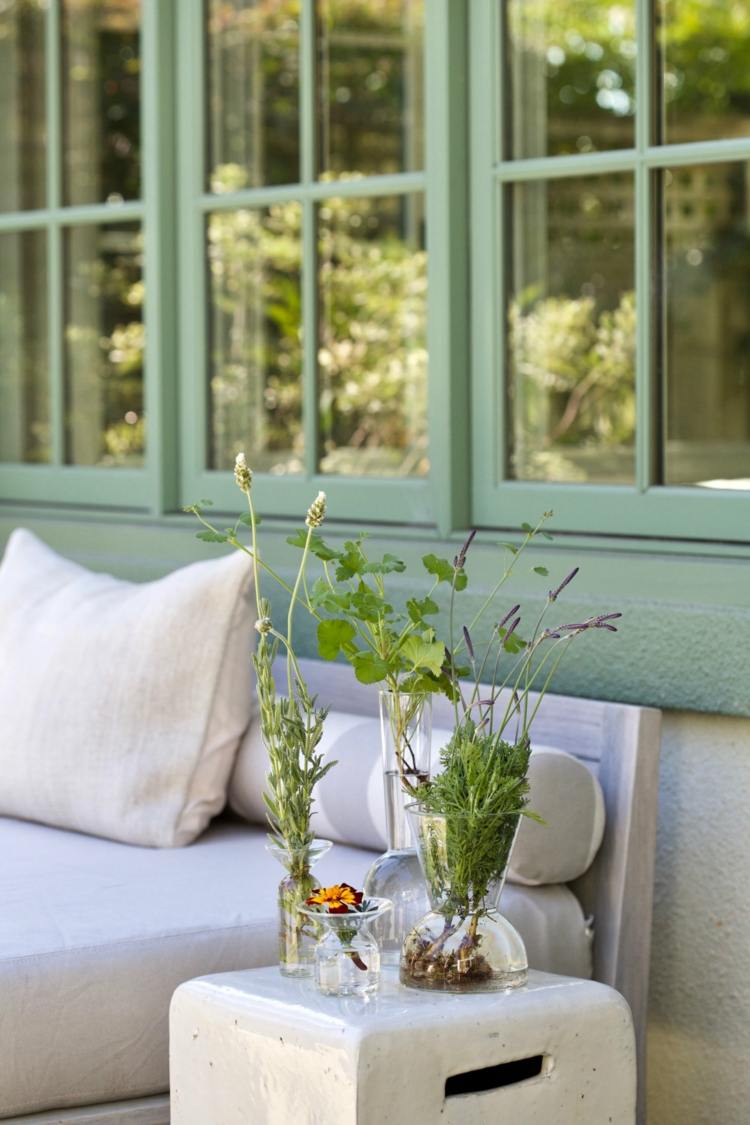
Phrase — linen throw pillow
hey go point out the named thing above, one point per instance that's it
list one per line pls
(121, 704)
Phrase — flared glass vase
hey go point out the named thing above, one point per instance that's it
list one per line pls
(463, 943)
(347, 956)
(406, 736)
(298, 933)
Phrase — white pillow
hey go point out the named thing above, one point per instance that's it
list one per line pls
(121, 704)
(350, 806)
(569, 798)
(349, 801)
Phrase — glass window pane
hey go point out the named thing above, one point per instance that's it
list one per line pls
(571, 76)
(255, 338)
(101, 100)
(706, 351)
(372, 349)
(705, 81)
(571, 352)
(104, 345)
(23, 135)
(370, 64)
(253, 93)
(24, 355)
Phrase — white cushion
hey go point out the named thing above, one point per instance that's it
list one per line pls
(350, 804)
(350, 800)
(95, 936)
(121, 705)
(569, 798)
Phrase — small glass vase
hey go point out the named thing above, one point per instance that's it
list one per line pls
(347, 956)
(297, 934)
(406, 737)
(463, 944)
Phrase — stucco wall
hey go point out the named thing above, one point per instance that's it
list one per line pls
(699, 1023)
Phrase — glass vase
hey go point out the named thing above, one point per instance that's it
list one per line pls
(297, 933)
(406, 736)
(463, 944)
(347, 956)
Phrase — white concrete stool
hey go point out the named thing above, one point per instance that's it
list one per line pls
(253, 1048)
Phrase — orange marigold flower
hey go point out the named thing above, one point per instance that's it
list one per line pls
(335, 900)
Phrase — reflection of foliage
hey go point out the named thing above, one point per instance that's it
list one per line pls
(372, 348)
(708, 56)
(372, 354)
(105, 339)
(370, 89)
(575, 377)
(256, 348)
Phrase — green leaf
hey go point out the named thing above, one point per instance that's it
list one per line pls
(369, 668)
(351, 561)
(424, 654)
(389, 564)
(541, 570)
(318, 546)
(368, 606)
(246, 518)
(417, 608)
(509, 547)
(527, 528)
(333, 635)
(439, 568)
(461, 580)
(211, 537)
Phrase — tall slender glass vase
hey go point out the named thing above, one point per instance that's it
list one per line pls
(298, 934)
(406, 736)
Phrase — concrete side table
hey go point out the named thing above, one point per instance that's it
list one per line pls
(253, 1048)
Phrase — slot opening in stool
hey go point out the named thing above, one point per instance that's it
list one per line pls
(494, 1077)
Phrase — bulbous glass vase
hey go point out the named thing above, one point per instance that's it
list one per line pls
(297, 933)
(347, 956)
(406, 736)
(463, 944)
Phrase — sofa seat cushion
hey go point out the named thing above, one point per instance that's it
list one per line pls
(95, 936)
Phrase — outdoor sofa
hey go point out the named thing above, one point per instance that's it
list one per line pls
(96, 933)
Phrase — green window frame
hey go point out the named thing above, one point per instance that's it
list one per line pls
(442, 498)
(647, 508)
(57, 482)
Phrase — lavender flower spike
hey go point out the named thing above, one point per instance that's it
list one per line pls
(554, 594)
(511, 631)
(508, 616)
(469, 645)
(460, 558)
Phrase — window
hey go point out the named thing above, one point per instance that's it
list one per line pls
(304, 196)
(612, 235)
(71, 249)
(453, 261)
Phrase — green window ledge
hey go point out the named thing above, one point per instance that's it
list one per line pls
(683, 642)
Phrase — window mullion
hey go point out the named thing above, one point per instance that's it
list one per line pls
(646, 436)
(309, 239)
(447, 237)
(159, 235)
(55, 280)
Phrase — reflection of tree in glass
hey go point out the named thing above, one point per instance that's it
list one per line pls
(571, 362)
(371, 355)
(370, 58)
(256, 351)
(372, 346)
(105, 340)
